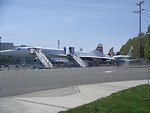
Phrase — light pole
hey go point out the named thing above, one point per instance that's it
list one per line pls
(58, 42)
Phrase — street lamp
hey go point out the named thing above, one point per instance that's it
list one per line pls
(58, 42)
(139, 47)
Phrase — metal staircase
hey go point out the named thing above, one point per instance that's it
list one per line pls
(78, 60)
(44, 60)
(71, 52)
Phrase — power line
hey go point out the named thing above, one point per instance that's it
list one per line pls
(61, 5)
(140, 12)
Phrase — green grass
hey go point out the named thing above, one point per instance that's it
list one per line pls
(133, 100)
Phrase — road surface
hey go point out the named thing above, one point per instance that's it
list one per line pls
(16, 82)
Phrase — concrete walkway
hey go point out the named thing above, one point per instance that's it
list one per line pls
(53, 101)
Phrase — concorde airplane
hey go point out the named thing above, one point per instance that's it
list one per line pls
(122, 58)
(43, 53)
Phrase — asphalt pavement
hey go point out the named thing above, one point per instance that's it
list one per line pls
(17, 82)
(53, 101)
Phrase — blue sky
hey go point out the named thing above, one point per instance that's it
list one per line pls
(77, 23)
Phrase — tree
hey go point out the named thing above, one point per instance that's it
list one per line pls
(135, 47)
(144, 46)
(148, 29)
(147, 48)
(141, 38)
(125, 48)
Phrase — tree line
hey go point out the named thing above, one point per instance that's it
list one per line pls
(140, 44)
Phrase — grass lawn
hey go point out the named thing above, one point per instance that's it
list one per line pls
(133, 100)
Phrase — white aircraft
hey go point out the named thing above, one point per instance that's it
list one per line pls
(44, 53)
(97, 53)
(30, 51)
(122, 58)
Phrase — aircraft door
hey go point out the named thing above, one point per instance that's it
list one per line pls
(69, 50)
(72, 50)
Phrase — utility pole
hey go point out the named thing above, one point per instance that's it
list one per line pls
(140, 13)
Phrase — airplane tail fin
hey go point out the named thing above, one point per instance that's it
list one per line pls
(99, 49)
(130, 51)
(111, 52)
